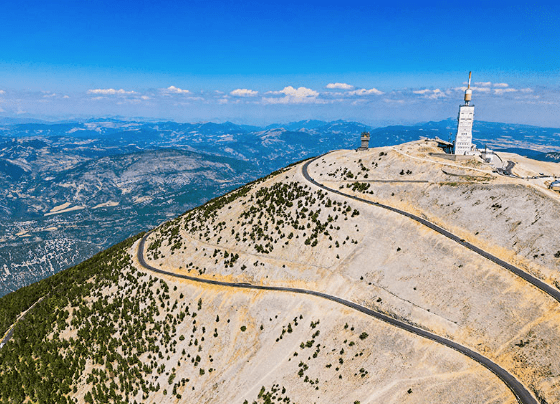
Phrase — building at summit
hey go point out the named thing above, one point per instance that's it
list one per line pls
(463, 139)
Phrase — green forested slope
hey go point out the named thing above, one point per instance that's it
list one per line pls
(38, 364)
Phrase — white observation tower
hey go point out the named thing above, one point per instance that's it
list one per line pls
(463, 139)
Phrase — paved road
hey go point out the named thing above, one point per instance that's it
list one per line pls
(7, 337)
(392, 181)
(10, 332)
(509, 167)
(549, 290)
(521, 393)
(507, 171)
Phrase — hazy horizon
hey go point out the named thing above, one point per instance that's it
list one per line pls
(374, 62)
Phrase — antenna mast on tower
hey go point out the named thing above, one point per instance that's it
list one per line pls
(468, 91)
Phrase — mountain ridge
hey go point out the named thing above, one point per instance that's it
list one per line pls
(32, 156)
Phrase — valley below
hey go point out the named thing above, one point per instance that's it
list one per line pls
(73, 189)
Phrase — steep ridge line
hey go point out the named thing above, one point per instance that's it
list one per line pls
(544, 287)
(516, 387)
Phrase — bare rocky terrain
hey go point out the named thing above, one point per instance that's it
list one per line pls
(184, 341)
(285, 231)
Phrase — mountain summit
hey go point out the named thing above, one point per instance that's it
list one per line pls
(386, 275)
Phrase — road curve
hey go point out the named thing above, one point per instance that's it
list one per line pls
(10, 331)
(544, 287)
(7, 336)
(521, 393)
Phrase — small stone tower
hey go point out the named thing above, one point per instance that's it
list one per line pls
(364, 137)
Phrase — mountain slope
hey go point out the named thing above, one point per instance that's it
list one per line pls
(110, 330)
(175, 341)
(289, 233)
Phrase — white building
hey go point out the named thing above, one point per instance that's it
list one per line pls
(463, 139)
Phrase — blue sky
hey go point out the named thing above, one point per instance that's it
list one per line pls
(260, 62)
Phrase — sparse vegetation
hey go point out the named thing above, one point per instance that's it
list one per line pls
(112, 305)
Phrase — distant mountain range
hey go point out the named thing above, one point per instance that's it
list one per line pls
(71, 189)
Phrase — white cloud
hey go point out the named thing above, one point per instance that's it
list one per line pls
(145, 97)
(497, 89)
(392, 101)
(243, 92)
(109, 91)
(501, 91)
(480, 89)
(66, 96)
(293, 95)
(474, 88)
(176, 90)
(363, 91)
(2, 92)
(196, 98)
(437, 93)
(300, 92)
(488, 84)
(342, 86)
(285, 100)
(431, 94)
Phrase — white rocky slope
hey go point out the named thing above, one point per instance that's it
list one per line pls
(306, 350)
(285, 231)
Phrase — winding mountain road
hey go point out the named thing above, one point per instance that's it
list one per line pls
(521, 393)
(544, 287)
(10, 332)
